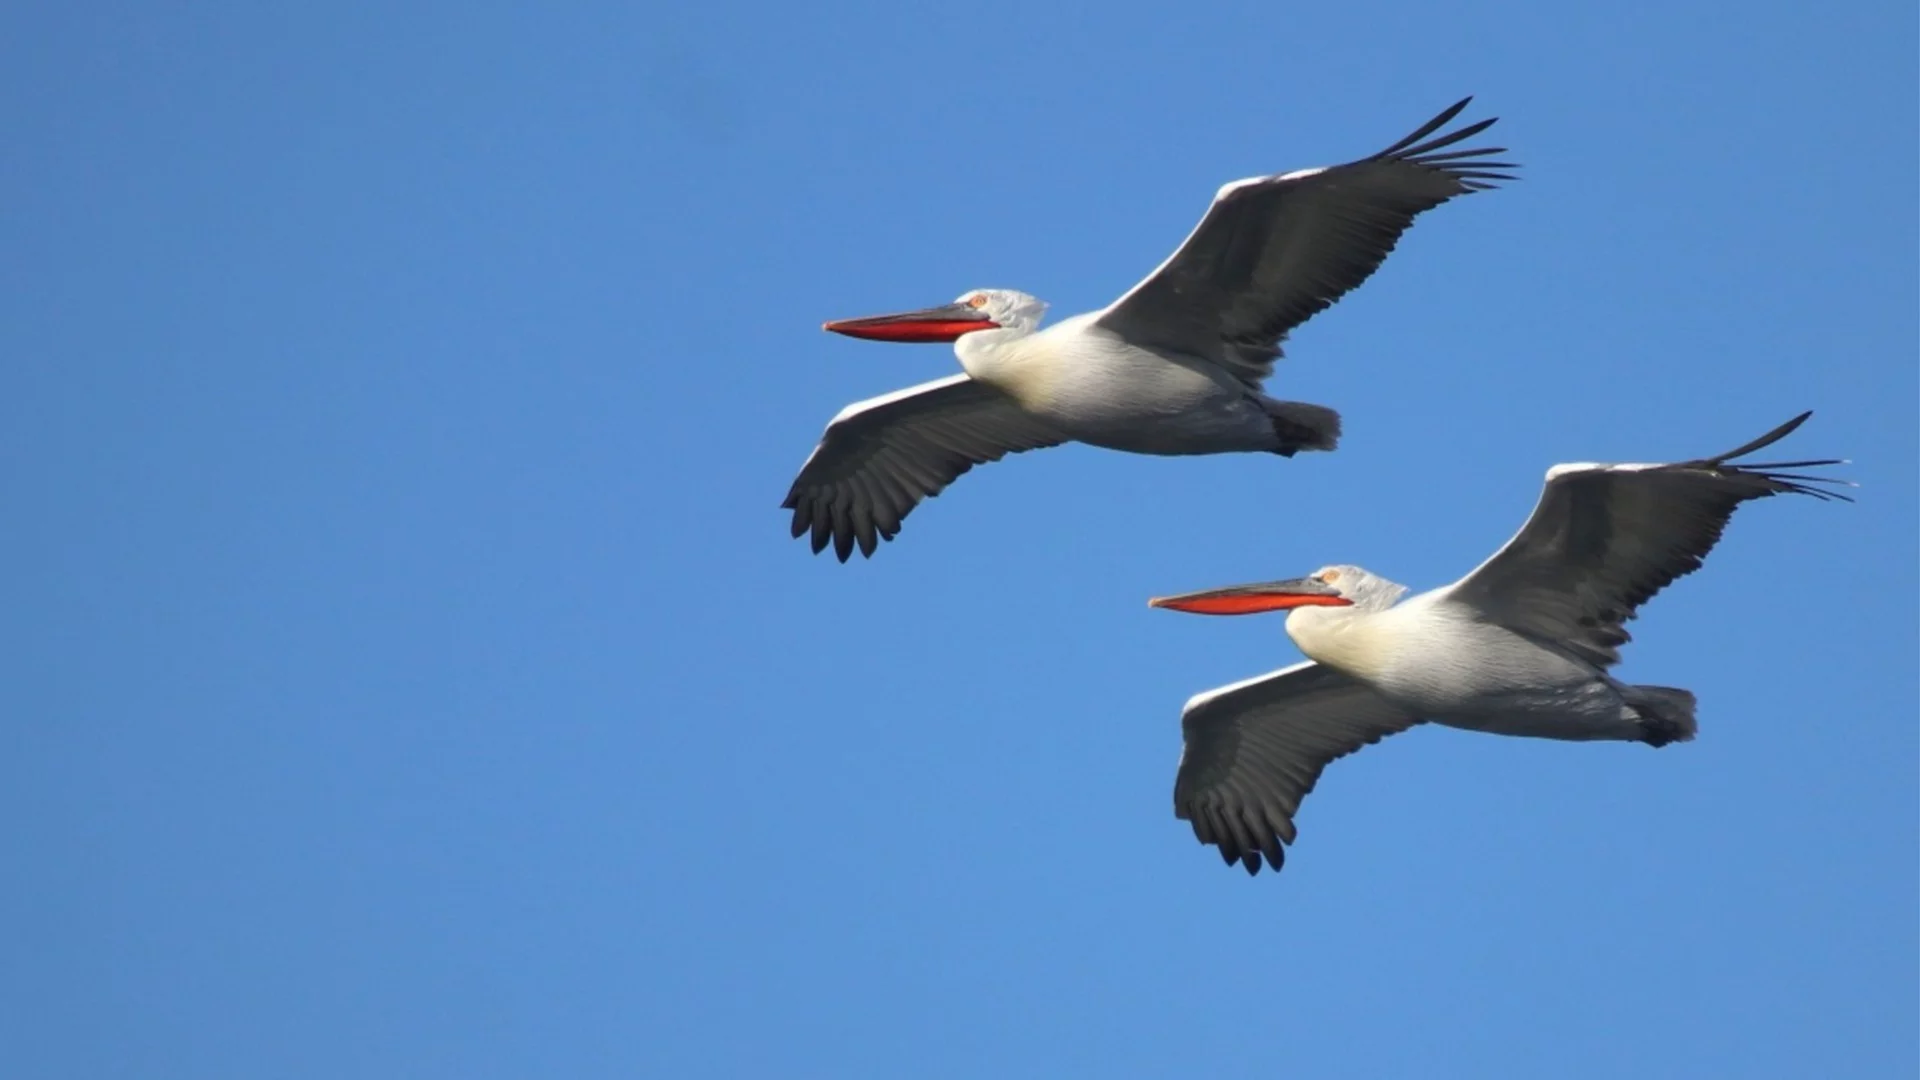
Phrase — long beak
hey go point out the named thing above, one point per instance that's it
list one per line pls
(944, 323)
(1253, 599)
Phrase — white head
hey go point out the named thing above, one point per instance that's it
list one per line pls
(1010, 309)
(1365, 590)
(979, 310)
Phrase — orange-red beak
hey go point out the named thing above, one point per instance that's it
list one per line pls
(1253, 599)
(944, 323)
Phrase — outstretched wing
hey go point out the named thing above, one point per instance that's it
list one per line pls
(1254, 749)
(1273, 251)
(1605, 538)
(880, 457)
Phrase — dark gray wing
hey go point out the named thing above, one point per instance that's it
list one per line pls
(881, 456)
(1605, 538)
(1254, 749)
(1273, 251)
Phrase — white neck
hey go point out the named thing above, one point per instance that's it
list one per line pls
(1347, 639)
(1002, 358)
(983, 346)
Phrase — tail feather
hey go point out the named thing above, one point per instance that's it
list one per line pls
(1666, 713)
(1301, 426)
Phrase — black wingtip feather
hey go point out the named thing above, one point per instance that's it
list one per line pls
(1214, 827)
(1466, 166)
(1772, 471)
(1479, 152)
(1441, 142)
(840, 531)
(1766, 440)
(1796, 464)
(1429, 127)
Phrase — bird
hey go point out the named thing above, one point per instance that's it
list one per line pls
(1175, 366)
(1520, 646)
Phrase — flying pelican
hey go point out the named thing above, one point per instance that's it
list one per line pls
(1173, 367)
(1520, 646)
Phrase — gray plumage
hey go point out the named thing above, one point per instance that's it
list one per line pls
(1520, 646)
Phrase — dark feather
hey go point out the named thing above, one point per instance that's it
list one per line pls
(1605, 540)
(1255, 750)
(875, 464)
(1273, 252)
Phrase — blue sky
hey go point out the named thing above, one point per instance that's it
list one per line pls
(407, 672)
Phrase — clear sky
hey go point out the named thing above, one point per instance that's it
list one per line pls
(405, 670)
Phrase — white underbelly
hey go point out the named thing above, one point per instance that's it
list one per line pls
(1152, 407)
(1095, 388)
(1207, 426)
(1450, 667)
(1464, 666)
(1496, 681)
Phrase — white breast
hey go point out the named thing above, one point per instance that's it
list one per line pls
(1432, 656)
(1096, 387)
(1354, 642)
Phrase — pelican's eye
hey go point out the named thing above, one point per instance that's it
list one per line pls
(1327, 577)
(977, 300)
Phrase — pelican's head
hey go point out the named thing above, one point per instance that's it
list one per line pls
(1327, 587)
(979, 309)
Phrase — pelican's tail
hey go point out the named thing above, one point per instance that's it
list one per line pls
(1300, 426)
(1666, 714)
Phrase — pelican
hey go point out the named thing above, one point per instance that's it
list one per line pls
(1175, 366)
(1520, 646)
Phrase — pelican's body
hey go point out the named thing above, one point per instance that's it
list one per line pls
(1092, 385)
(1175, 366)
(1443, 661)
(1520, 646)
